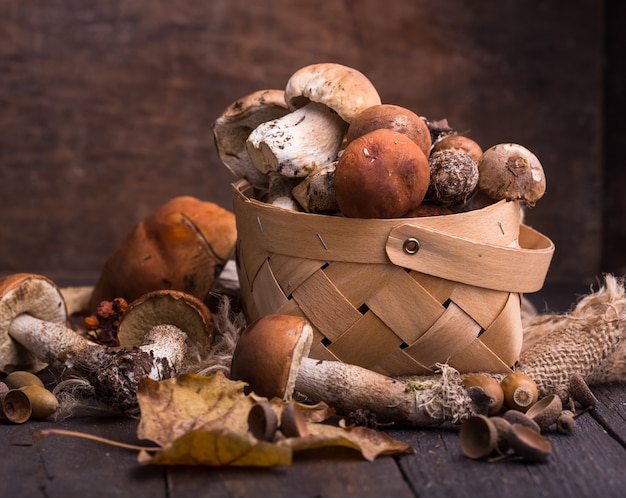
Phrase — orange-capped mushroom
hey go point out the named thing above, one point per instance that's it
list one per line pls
(382, 174)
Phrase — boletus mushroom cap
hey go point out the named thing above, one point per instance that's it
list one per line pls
(269, 352)
(512, 172)
(34, 295)
(392, 117)
(232, 128)
(182, 245)
(382, 174)
(345, 90)
(171, 307)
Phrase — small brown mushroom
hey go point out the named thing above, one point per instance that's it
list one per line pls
(382, 174)
(453, 177)
(316, 193)
(392, 117)
(512, 172)
(460, 143)
(171, 307)
(271, 355)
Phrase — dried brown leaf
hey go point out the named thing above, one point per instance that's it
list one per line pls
(200, 420)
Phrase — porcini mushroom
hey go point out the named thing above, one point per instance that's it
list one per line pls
(271, 355)
(232, 128)
(512, 172)
(460, 143)
(392, 117)
(324, 98)
(382, 174)
(167, 306)
(27, 324)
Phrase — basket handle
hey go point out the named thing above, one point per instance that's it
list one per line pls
(521, 268)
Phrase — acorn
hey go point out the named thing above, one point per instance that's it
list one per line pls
(491, 387)
(546, 411)
(292, 421)
(262, 421)
(43, 402)
(520, 391)
(16, 406)
(20, 378)
(566, 422)
(528, 443)
(517, 417)
(478, 436)
(580, 391)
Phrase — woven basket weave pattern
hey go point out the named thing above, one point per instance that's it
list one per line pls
(368, 311)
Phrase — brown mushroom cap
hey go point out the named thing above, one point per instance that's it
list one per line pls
(269, 352)
(345, 90)
(382, 174)
(34, 295)
(182, 245)
(512, 172)
(232, 128)
(393, 117)
(169, 307)
(460, 143)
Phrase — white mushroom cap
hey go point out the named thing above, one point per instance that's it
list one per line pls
(345, 90)
(324, 99)
(31, 294)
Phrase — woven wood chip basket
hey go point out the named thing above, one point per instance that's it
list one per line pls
(396, 296)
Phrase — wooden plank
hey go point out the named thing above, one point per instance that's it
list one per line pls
(337, 474)
(62, 467)
(586, 463)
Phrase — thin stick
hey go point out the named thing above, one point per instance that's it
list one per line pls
(62, 432)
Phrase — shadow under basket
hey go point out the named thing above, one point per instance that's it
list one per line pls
(397, 296)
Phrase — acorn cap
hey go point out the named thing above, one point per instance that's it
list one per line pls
(546, 411)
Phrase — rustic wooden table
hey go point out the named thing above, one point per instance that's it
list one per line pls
(590, 462)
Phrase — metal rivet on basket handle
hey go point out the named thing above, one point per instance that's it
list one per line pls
(411, 245)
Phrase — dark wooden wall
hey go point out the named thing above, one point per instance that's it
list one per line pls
(106, 106)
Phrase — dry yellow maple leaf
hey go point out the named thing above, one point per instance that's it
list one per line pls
(201, 420)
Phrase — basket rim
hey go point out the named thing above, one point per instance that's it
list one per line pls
(487, 247)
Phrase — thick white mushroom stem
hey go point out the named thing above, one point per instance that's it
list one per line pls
(114, 373)
(418, 402)
(299, 143)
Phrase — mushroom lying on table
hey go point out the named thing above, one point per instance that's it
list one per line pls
(181, 245)
(272, 357)
(34, 332)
